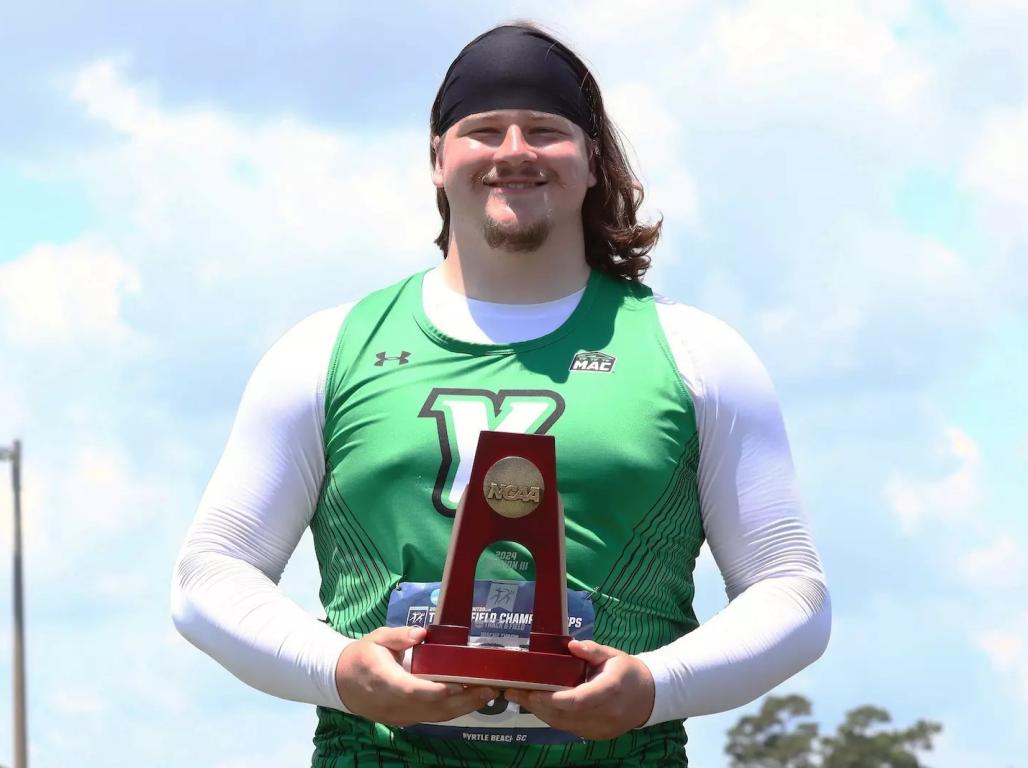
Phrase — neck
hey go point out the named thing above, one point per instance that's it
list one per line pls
(557, 269)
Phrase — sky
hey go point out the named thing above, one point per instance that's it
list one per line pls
(845, 183)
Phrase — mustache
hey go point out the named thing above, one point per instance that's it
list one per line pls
(486, 177)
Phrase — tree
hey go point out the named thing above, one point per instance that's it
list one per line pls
(858, 744)
(776, 738)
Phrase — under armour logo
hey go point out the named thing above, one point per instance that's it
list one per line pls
(403, 358)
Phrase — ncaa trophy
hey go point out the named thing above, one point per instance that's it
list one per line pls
(511, 496)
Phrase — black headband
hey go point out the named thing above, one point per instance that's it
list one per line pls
(514, 68)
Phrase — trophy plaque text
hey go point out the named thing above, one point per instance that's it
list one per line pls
(511, 496)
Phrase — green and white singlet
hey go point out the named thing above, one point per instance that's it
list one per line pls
(404, 406)
(359, 424)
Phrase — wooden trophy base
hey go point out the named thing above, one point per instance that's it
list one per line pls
(500, 668)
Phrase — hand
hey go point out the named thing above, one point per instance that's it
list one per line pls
(617, 697)
(372, 682)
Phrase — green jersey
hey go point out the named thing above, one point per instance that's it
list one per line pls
(403, 410)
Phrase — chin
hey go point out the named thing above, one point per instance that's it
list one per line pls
(515, 236)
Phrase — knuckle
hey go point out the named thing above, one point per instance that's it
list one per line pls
(407, 691)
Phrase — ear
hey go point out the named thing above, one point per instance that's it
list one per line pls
(437, 169)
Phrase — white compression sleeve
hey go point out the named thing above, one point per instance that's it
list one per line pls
(779, 616)
(264, 491)
(225, 598)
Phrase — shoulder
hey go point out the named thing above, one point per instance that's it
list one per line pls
(315, 333)
(289, 380)
(712, 357)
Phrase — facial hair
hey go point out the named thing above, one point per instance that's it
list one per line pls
(516, 237)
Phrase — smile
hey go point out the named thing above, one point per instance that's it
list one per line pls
(517, 185)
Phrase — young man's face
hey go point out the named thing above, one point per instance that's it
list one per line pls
(518, 173)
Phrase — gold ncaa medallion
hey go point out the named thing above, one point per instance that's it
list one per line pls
(513, 487)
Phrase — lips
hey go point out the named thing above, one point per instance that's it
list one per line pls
(515, 184)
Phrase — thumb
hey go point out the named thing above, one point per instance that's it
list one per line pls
(594, 653)
(398, 638)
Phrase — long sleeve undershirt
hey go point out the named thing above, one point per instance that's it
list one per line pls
(262, 496)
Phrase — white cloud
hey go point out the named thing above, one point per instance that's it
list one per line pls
(766, 46)
(645, 122)
(996, 566)
(997, 168)
(274, 215)
(1002, 647)
(957, 495)
(1006, 647)
(998, 163)
(662, 23)
(247, 195)
(81, 499)
(67, 293)
(876, 310)
(643, 117)
(105, 494)
(773, 137)
(99, 89)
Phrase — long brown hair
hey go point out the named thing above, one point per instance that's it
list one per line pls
(615, 242)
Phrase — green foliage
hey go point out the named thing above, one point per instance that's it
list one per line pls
(782, 736)
(773, 738)
(858, 744)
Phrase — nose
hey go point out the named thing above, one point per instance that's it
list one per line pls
(514, 149)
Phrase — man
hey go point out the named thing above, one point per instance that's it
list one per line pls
(361, 424)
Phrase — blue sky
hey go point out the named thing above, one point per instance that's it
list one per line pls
(846, 185)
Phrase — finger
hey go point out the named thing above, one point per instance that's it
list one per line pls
(592, 693)
(464, 703)
(589, 724)
(392, 676)
(525, 695)
(398, 638)
(399, 707)
(425, 691)
(522, 696)
(405, 711)
(582, 699)
(592, 652)
(555, 719)
(548, 704)
(543, 705)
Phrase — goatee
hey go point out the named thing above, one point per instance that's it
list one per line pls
(523, 238)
